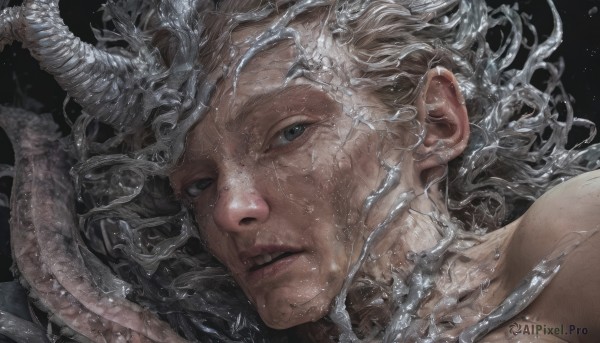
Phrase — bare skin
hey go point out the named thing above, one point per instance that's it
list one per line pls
(571, 298)
(563, 216)
(277, 175)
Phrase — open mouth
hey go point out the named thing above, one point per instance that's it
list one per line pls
(265, 260)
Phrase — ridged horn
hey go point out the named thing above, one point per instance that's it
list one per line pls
(92, 77)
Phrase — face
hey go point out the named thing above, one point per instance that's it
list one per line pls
(276, 175)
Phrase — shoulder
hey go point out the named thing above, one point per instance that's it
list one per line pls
(567, 216)
(567, 213)
(569, 208)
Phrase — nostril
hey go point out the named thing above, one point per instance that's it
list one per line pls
(246, 221)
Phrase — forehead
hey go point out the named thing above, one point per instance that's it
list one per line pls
(256, 116)
(309, 56)
(247, 108)
(308, 72)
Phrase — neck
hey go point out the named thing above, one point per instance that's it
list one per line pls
(467, 286)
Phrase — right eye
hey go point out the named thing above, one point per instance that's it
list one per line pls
(195, 188)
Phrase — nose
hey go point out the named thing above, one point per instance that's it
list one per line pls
(238, 207)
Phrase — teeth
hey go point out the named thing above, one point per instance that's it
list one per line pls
(266, 258)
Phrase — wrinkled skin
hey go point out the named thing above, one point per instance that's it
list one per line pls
(254, 193)
(284, 169)
(260, 183)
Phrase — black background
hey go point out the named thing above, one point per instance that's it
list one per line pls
(20, 75)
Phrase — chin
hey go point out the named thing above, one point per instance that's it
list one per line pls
(295, 307)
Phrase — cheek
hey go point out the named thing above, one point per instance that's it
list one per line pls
(358, 173)
(213, 239)
(365, 154)
(318, 182)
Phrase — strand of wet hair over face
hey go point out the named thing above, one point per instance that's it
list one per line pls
(490, 75)
(482, 80)
(190, 286)
(407, 298)
(131, 217)
(420, 282)
(276, 32)
(338, 313)
(393, 59)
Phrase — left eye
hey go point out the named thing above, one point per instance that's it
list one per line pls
(292, 132)
(289, 134)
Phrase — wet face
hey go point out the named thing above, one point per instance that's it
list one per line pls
(276, 176)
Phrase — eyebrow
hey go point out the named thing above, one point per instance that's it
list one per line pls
(248, 107)
(257, 100)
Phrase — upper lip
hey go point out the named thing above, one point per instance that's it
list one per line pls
(259, 254)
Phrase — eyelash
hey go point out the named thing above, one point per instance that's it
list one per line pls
(205, 183)
(277, 142)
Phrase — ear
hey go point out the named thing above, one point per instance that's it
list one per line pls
(442, 111)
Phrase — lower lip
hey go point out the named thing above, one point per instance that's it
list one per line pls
(272, 269)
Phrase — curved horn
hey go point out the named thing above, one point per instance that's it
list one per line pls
(94, 78)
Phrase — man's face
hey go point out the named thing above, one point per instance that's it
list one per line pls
(277, 175)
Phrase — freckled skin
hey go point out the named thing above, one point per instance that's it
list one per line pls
(305, 193)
